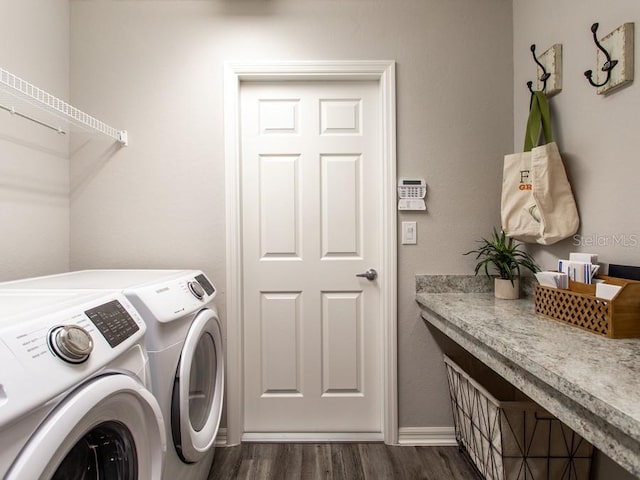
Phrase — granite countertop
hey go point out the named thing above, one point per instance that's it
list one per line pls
(590, 382)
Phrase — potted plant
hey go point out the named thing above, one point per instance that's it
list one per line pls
(505, 256)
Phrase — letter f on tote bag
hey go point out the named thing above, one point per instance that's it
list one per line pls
(537, 203)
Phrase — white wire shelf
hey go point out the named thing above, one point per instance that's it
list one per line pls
(50, 110)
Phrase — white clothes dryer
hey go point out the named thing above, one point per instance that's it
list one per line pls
(184, 343)
(73, 399)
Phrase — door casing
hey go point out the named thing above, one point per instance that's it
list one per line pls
(383, 72)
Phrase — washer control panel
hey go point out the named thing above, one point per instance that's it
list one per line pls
(52, 342)
(113, 321)
(71, 343)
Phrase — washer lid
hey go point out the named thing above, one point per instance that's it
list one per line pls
(165, 295)
(93, 279)
(19, 304)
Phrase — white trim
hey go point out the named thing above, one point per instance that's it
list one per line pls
(234, 387)
(427, 436)
(298, 437)
(389, 287)
(416, 436)
(384, 73)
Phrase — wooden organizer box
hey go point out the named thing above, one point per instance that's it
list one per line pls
(579, 306)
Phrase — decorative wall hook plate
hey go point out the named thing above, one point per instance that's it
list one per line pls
(614, 59)
(552, 61)
(548, 71)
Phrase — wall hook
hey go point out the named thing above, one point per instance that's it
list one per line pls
(608, 65)
(545, 75)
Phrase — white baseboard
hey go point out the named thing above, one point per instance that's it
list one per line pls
(419, 436)
(319, 437)
(427, 436)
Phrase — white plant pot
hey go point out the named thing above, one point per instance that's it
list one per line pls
(503, 289)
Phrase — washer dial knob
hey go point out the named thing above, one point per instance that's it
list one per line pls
(197, 290)
(71, 343)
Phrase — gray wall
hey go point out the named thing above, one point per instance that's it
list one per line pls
(34, 165)
(156, 69)
(596, 134)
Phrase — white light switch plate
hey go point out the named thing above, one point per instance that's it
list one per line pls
(409, 233)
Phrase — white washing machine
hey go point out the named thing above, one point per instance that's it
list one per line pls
(184, 343)
(73, 399)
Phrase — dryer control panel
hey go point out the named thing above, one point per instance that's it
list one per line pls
(206, 284)
(174, 298)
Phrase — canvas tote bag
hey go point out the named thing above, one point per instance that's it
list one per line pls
(537, 203)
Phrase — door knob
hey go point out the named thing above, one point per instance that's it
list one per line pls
(370, 274)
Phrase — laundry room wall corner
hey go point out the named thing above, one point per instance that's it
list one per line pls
(34, 161)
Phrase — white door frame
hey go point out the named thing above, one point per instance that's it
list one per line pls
(384, 73)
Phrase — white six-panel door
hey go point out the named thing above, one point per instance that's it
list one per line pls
(311, 221)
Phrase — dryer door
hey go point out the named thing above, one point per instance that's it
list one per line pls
(111, 427)
(196, 406)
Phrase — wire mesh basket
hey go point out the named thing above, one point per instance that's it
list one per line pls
(513, 438)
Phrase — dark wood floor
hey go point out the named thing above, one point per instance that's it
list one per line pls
(339, 461)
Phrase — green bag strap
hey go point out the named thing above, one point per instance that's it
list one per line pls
(539, 115)
(546, 116)
(532, 133)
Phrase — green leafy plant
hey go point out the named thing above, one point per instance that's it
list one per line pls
(504, 255)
